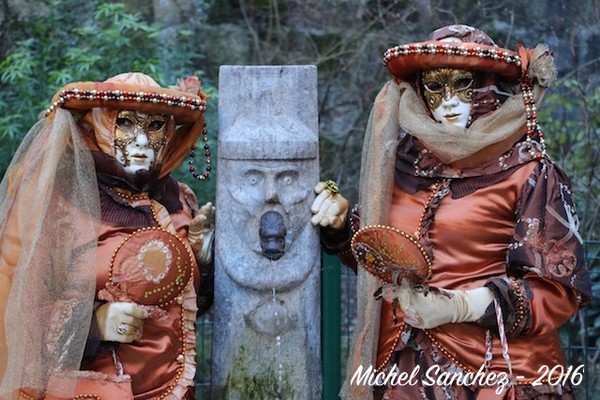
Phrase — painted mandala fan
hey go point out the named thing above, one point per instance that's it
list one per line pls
(391, 255)
(150, 267)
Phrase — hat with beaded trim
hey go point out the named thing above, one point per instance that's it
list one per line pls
(465, 47)
(134, 91)
(186, 103)
(453, 46)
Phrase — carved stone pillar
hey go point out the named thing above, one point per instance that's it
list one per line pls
(266, 338)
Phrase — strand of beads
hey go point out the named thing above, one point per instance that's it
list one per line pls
(208, 166)
(533, 126)
(191, 103)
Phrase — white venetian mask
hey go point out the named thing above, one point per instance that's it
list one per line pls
(139, 139)
(448, 93)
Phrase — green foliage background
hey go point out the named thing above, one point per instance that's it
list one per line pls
(74, 41)
(45, 44)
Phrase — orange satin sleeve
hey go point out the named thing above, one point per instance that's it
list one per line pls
(551, 304)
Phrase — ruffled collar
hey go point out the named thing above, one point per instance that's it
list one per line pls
(117, 209)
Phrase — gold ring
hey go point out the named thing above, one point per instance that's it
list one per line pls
(332, 187)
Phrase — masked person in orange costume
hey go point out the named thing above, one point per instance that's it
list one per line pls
(105, 259)
(456, 179)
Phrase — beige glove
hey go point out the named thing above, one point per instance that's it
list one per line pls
(428, 310)
(329, 207)
(201, 233)
(120, 322)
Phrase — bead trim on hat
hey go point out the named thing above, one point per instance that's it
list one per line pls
(447, 49)
(121, 95)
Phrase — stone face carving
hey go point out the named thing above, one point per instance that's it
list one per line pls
(267, 287)
(253, 189)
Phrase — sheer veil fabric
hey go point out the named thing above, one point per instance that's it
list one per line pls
(49, 211)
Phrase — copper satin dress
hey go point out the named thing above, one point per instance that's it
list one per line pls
(77, 230)
(161, 364)
(509, 225)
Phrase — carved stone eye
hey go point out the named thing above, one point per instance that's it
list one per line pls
(253, 178)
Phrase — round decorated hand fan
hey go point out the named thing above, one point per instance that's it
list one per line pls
(150, 267)
(391, 255)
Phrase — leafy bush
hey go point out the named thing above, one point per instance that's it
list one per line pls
(571, 119)
(90, 41)
(71, 41)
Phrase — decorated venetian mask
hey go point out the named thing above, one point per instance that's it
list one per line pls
(139, 139)
(448, 93)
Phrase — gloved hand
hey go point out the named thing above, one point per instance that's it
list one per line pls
(427, 310)
(120, 322)
(201, 233)
(329, 207)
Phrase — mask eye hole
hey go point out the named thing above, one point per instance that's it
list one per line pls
(463, 83)
(435, 87)
(125, 123)
(156, 125)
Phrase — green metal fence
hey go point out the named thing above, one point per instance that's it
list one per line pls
(580, 336)
(204, 331)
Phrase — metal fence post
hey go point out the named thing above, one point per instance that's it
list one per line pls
(331, 325)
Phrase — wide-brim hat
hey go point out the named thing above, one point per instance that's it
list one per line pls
(469, 48)
(145, 96)
(186, 103)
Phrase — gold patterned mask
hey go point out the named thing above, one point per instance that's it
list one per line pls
(443, 83)
(139, 139)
